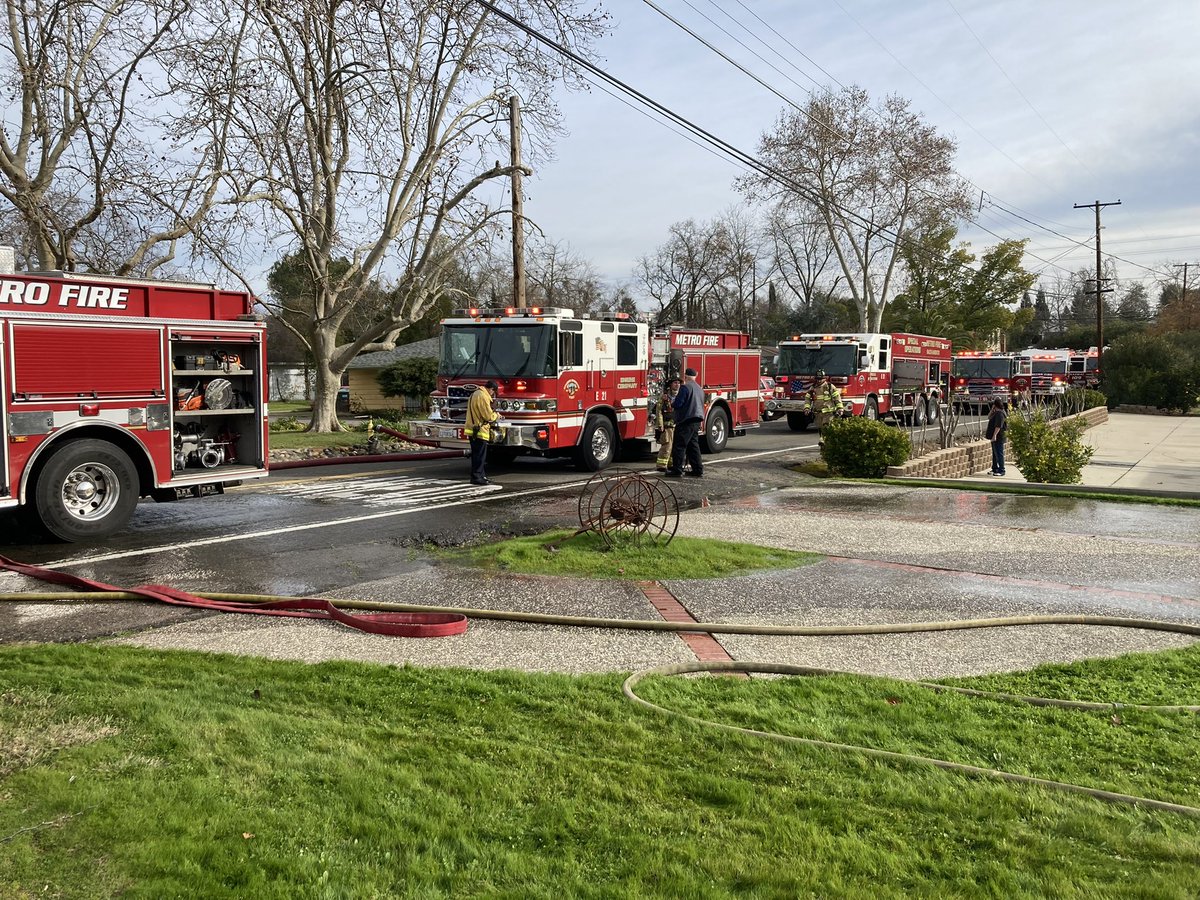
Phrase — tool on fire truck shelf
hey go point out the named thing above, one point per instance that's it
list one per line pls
(620, 504)
(439, 620)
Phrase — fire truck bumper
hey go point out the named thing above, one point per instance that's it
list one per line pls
(534, 436)
(803, 406)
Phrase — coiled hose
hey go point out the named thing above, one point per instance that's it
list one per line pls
(628, 687)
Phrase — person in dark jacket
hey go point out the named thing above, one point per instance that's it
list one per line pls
(997, 433)
(689, 417)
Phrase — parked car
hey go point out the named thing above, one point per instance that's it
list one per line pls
(766, 390)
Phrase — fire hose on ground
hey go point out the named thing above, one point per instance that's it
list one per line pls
(453, 621)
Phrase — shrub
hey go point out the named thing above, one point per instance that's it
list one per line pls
(415, 378)
(1079, 399)
(862, 448)
(288, 423)
(1160, 370)
(1046, 453)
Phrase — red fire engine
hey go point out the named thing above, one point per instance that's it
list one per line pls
(897, 376)
(979, 377)
(116, 389)
(584, 387)
(1084, 371)
(1049, 378)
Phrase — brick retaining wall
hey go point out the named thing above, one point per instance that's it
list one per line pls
(967, 459)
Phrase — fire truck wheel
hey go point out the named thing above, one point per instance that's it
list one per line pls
(919, 416)
(799, 421)
(871, 410)
(716, 431)
(935, 411)
(598, 447)
(87, 490)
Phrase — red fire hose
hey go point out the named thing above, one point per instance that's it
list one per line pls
(396, 624)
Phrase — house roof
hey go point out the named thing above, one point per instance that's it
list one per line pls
(384, 358)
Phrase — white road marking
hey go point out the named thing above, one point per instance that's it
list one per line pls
(481, 495)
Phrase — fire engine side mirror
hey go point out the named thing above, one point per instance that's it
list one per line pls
(864, 361)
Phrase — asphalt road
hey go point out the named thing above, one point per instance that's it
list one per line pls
(307, 531)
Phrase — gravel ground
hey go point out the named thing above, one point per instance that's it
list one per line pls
(485, 645)
(898, 554)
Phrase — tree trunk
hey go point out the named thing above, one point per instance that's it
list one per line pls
(325, 388)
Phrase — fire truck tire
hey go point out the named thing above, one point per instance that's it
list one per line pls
(871, 410)
(598, 446)
(798, 421)
(716, 431)
(87, 490)
(935, 411)
(920, 417)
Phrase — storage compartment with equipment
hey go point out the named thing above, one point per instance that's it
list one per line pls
(215, 385)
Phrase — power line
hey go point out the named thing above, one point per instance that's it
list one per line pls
(739, 156)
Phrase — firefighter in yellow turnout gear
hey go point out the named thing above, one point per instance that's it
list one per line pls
(826, 399)
(664, 423)
(481, 419)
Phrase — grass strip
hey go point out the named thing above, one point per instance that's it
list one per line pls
(562, 552)
(1034, 490)
(216, 776)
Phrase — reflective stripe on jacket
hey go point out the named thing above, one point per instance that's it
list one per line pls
(830, 397)
(480, 415)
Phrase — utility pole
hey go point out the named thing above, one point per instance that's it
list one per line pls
(1100, 289)
(518, 202)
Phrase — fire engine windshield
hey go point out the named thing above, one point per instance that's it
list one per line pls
(982, 367)
(1049, 367)
(498, 351)
(837, 360)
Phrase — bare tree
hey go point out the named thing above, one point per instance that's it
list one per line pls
(365, 130)
(803, 254)
(100, 173)
(865, 173)
(705, 276)
(560, 277)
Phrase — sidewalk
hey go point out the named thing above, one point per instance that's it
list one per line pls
(1157, 455)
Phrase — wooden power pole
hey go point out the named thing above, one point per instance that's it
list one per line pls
(1100, 289)
(518, 202)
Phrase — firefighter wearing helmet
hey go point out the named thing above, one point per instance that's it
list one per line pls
(826, 399)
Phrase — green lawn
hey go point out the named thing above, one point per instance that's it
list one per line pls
(143, 774)
(561, 552)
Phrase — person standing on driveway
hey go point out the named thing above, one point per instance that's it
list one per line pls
(689, 416)
(664, 423)
(997, 433)
(481, 419)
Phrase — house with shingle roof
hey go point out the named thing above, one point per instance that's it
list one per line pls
(363, 371)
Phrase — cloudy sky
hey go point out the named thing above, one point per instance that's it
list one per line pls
(1052, 103)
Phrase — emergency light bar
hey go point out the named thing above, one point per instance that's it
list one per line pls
(515, 311)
